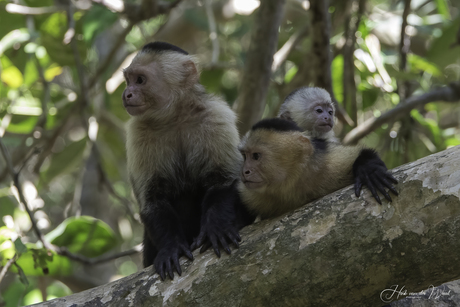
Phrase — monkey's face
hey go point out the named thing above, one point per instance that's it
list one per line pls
(252, 171)
(322, 116)
(146, 88)
(267, 164)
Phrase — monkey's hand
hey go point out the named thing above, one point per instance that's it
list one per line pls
(215, 229)
(170, 254)
(370, 170)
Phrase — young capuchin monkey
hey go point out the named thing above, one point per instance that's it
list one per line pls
(311, 108)
(183, 160)
(284, 169)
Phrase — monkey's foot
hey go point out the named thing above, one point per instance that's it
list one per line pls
(215, 233)
(168, 259)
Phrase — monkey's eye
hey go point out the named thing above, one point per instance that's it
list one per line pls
(330, 113)
(319, 111)
(256, 156)
(140, 80)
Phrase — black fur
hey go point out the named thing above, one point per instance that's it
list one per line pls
(158, 47)
(320, 144)
(276, 124)
(370, 170)
(178, 211)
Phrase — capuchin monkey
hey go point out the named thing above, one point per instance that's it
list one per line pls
(183, 160)
(284, 169)
(311, 108)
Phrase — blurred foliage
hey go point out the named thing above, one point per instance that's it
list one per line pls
(69, 147)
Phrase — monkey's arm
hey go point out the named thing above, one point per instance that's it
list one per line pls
(164, 232)
(370, 170)
(223, 215)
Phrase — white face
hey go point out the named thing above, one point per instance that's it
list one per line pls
(145, 88)
(322, 116)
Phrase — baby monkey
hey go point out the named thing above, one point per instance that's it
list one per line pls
(284, 169)
(311, 108)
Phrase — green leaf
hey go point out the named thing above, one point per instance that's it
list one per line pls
(96, 20)
(337, 77)
(422, 64)
(19, 246)
(22, 276)
(64, 160)
(443, 8)
(290, 74)
(37, 261)
(441, 52)
(84, 235)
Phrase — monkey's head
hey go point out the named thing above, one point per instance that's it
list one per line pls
(158, 76)
(311, 108)
(272, 151)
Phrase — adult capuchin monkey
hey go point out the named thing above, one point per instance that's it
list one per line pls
(311, 108)
(284, 169)
(182, 158)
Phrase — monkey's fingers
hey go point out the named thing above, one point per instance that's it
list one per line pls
(358, 186)
(233, 238)
(198, 241)
(224, 244)
(372, 189)
(205, 247)
(379, 186)
(215, 245)
(160, 270)
(169, 269)
(177, 264)
(390, 176)
(187, 253)
(389, 185)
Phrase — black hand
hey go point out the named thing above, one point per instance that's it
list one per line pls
(370, 170)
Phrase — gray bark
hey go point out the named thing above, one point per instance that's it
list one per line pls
(337, 251)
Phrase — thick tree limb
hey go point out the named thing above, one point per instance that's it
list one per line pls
(250, 103)
(449, 93)
(337, 251)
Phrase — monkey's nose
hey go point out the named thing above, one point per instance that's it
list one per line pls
(130, 95)
(247, 172)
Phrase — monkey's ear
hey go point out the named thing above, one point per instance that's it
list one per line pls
(286, 115)
(190, 73)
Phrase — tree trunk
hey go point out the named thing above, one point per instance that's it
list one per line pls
(250, 103)
(337, 251)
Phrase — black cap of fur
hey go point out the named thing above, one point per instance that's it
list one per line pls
(277, 124)
(158, 47)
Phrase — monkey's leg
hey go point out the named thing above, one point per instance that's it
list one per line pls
(164, 229)
(149, 251)
(370, 170)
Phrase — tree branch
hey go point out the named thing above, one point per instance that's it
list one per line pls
(337, 251)
(449, 93)
(6, 268)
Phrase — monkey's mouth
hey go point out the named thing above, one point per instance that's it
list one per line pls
(253, 184)
(135, 109)
(325, 127)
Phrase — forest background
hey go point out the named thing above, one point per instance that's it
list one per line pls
(69, 221)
